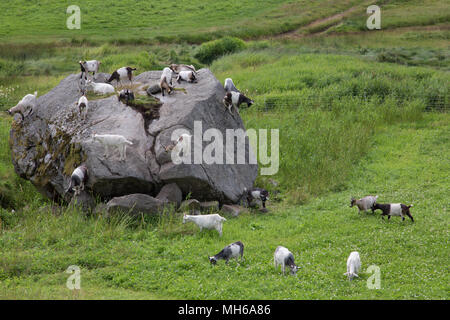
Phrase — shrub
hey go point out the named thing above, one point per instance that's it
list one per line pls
(212, 50)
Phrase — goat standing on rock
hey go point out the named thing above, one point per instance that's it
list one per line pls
(122, 73)
(27, 102)
(83, 105)
(165, 82)
(113, 140)
(89, 66)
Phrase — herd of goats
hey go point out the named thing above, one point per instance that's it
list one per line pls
(233, 99)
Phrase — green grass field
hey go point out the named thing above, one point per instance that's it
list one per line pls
(359, 112)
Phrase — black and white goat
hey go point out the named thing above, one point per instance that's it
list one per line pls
(234, 250)
(27, 103)
(257, 194)
(126, 96)
(89, 66)
(122, 73)
(284, 257)
(78, 179)
(233, 97)
(394, 209)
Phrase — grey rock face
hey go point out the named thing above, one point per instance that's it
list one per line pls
(50, 143)
(135, 204)
(171, 193)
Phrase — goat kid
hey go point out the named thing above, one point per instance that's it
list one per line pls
(207, 221)
(257, 194)
(284, 257)
(353, 265)
(83, 105)
(115, 141)
(78, 179)
(27, 102)
(165, 82)
(394, 209)
(126, 95)
(234, 250)
(365, 203)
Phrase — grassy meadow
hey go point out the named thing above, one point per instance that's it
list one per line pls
(359, 112)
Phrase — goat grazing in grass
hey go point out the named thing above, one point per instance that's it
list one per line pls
(89, 66)
(78, 179)
(83, 105)
(188, 76)
(100, 88)
(126, 95)
(165, 82)
(353, 265)
(115, 141)
(27, 103)
(234, 250)
(257, 194)
(122, 73)
(394, 209)
(284, 257)
(177, 68)
(365, 203)
(207, 221)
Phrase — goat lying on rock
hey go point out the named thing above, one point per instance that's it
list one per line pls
(188, 76)
(365, 203)
(207, 221)
(394, 209)
(100, 88)
(234, 250)
(27, 102)
(177, 68)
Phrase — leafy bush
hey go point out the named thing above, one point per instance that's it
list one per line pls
(212, 50)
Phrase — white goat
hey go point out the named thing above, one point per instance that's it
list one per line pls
(100, 88)
(283, 257)
(207, 221)
(83, 105)
(27, 102)
(177, 68)
(89, 66)
(115, 141)
(365, 203)
(353, 265)
(165, 82)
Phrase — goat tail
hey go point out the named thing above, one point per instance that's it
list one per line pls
(129, 142)
(223, 219)
(410, 206)
(35, 93)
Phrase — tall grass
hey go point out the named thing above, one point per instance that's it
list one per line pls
(327, 109)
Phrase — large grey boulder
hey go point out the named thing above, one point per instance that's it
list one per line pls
(47, 145)
(135, 204)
